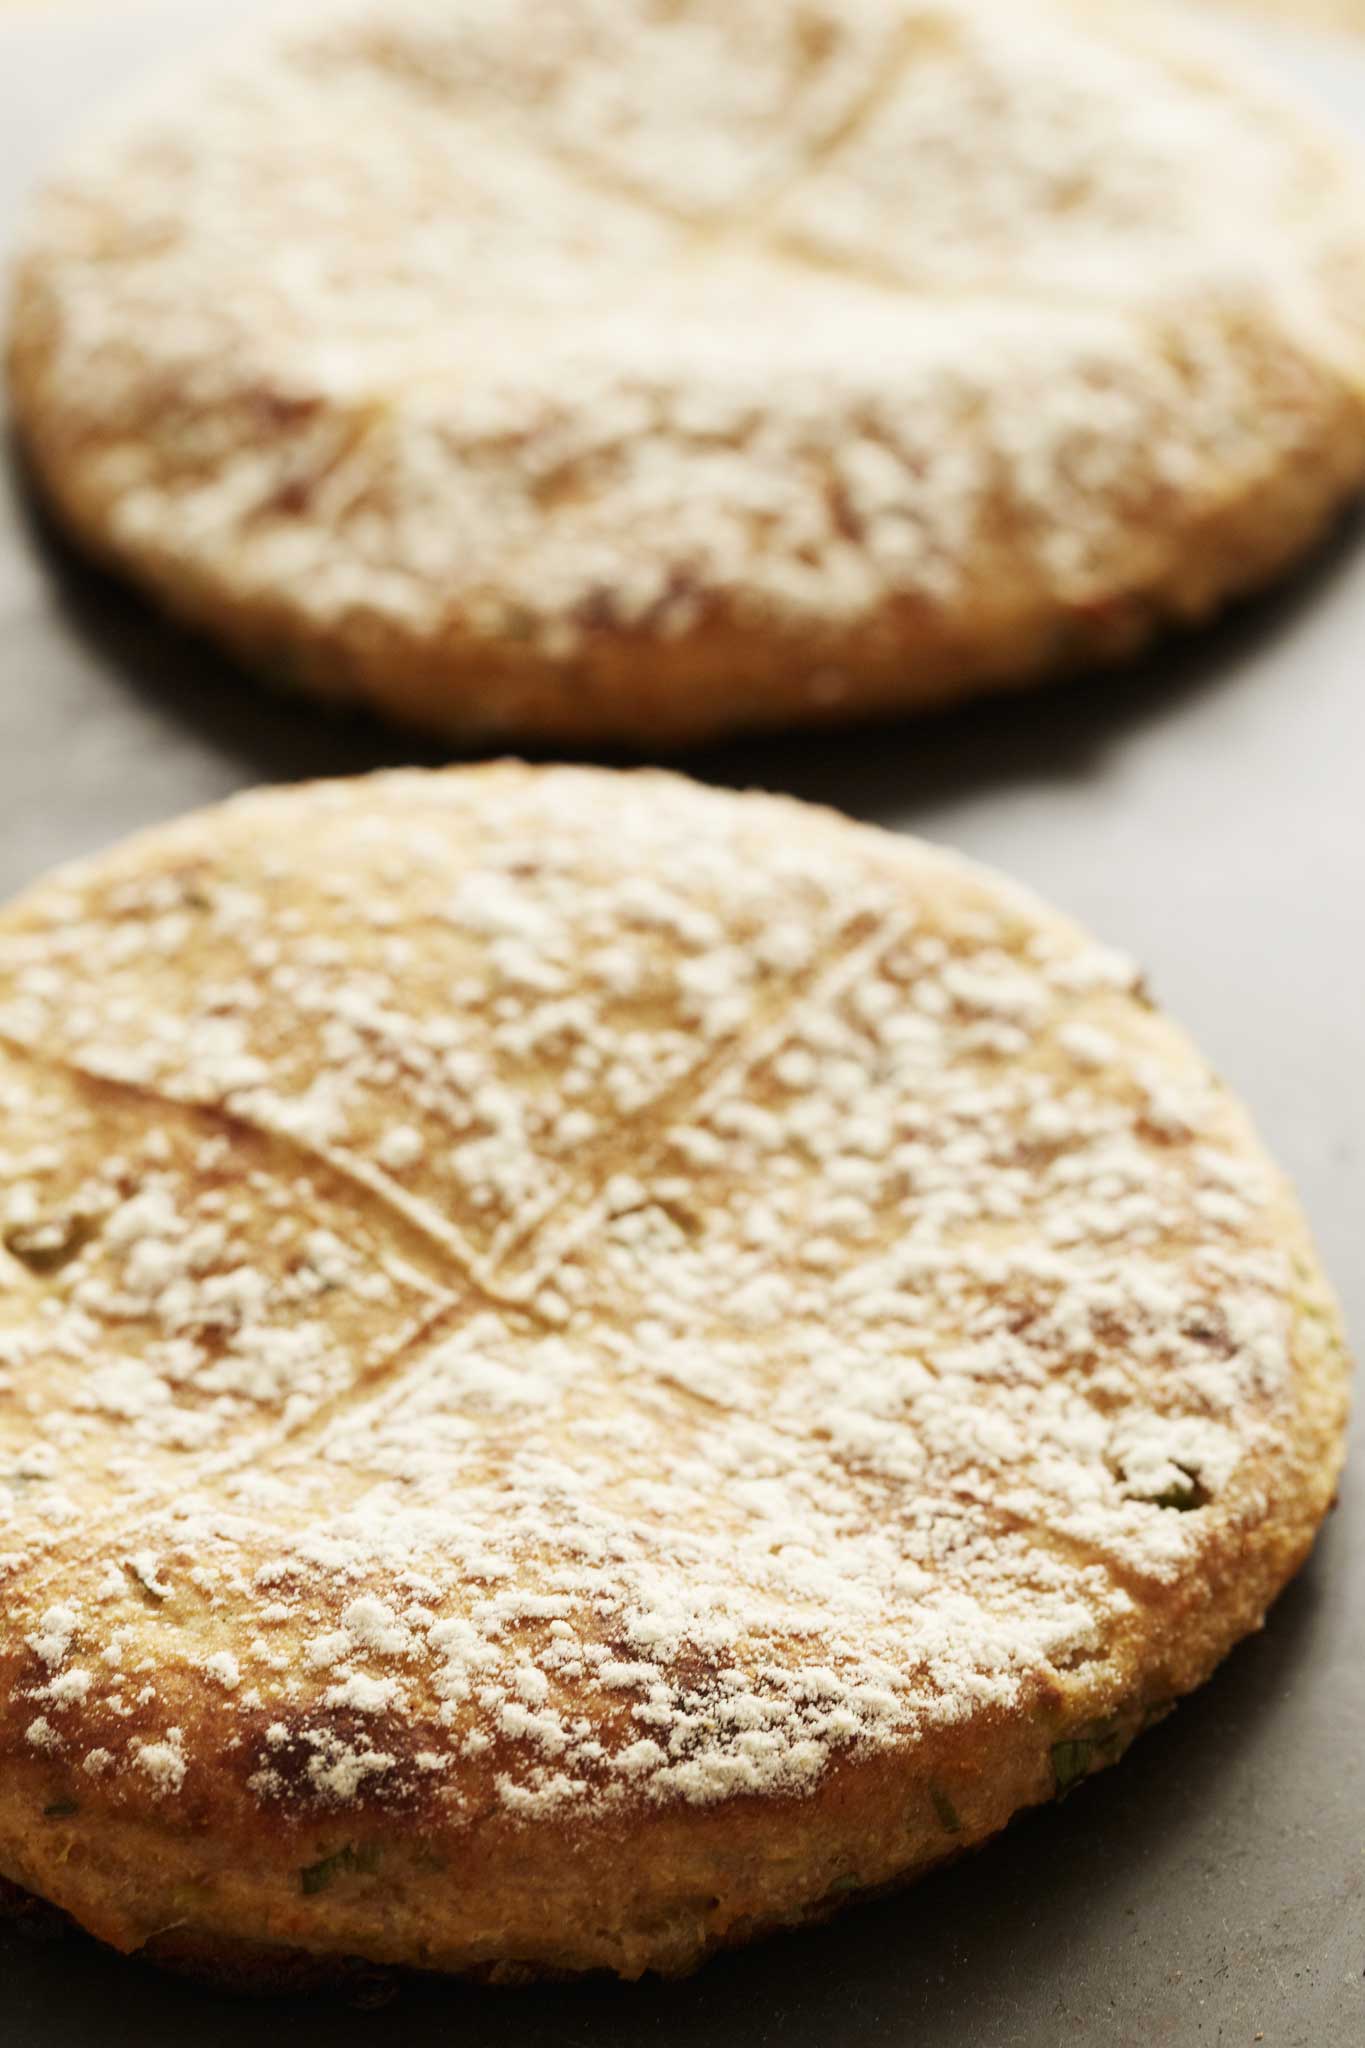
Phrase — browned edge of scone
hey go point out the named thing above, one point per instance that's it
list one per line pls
(728, 673)
(220, 1884)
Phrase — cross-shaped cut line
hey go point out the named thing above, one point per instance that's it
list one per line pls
(458, 1282)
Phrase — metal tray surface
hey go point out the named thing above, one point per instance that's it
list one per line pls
(1204, 811)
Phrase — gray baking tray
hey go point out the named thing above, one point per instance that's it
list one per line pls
(1205, 812)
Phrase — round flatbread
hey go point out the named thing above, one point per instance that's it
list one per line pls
(589, 1366)
(649, 369)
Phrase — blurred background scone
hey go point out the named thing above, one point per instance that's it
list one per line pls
(601, 371)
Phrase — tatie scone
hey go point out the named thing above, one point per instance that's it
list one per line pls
(643, 370)
(590, 1366)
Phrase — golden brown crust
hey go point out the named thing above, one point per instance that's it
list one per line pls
(593, 1366)
(725, 676)
(1011, 430)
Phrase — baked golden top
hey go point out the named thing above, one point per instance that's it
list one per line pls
(931, 327)
(530, 1290)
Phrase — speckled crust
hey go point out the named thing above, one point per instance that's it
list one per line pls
(772, 364)
(589, 1367)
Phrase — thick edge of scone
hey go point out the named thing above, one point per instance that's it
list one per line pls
(216, 1883)
(726, 673)
(221, 1888)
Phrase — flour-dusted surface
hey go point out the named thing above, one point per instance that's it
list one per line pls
(544, 1295)
(587, 369)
